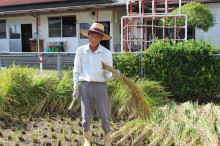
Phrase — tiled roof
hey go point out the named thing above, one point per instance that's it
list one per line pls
(48, 6)
(4, 3)
(24, 2)
(8, 3)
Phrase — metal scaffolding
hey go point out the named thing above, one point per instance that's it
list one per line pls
(140, 29)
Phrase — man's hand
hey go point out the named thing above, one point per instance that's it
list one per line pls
(75, 93)
(116, 74)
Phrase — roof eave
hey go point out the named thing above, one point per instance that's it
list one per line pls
(81, 8)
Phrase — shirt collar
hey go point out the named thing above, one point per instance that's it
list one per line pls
(99, 50)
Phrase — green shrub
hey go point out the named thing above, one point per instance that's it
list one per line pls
(128, 64)
(188, 69)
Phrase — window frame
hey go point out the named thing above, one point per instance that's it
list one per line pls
(61, 26)
(80, 30)
(17, 35)
(5, 29)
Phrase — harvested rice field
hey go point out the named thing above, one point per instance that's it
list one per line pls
(183, 124)
(32, 111)
(49, 131)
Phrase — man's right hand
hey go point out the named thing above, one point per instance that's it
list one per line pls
(116, 74)
(75, 93)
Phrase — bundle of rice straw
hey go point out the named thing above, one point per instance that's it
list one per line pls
(138, 96)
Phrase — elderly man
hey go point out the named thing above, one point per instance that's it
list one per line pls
(88, 70)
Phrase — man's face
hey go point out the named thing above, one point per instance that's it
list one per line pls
(94, 39)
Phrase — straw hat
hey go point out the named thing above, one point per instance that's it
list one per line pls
(96, 27)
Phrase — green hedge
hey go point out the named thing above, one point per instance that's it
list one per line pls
(188, 69)
(128, 64)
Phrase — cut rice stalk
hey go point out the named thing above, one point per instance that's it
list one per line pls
(129, 133)
(138, 96)
(120, 132)
(142, 136)
(41, 105)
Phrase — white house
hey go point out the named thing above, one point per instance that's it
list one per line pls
(57, 23)
(213, 32)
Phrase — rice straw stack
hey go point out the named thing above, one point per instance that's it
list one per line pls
(138, 99)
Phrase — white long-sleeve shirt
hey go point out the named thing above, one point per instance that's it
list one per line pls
(88, 64)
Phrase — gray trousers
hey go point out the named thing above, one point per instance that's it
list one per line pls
(95, 91)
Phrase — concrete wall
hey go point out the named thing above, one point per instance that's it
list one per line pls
(213, 32)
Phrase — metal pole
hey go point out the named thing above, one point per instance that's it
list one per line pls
(152, 29)
(175, 29)
(166, 7)
(140, 63)
(126, 36)
(142, 34)
(144, 29)
(155, 11)
(150, 16)
(152, 6)
(180, 6)
(164, 22)
(140, 3)
(37, 33)
(97, 16)
(185, 27)
(130, 12)
(127, 8)
(122, 39)
(41, 63)
(0, 61)
(59, 65)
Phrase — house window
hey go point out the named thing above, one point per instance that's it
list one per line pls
(84, 26)
(15, 31)
(2, 28)
(54, 26)
(64, 26)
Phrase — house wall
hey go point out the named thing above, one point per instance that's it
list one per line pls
(5, 43)
(72, 42)
(213, 32)
(117, 28)
(4, 47)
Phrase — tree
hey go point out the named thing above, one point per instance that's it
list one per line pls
(197, 16)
